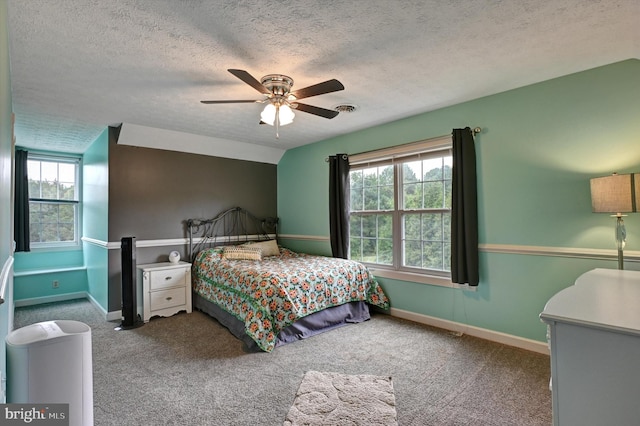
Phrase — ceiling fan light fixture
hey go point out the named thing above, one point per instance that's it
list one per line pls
(283, 112)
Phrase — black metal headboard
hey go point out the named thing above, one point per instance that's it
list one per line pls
(232, 226)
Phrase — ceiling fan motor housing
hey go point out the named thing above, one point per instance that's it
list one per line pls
(278, 84)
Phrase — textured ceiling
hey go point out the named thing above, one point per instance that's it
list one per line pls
(78, 66)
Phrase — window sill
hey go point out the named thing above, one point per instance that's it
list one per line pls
(68, 247)
(32, 272)
(418, 278)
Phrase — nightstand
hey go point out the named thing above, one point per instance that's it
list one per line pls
(166, 288)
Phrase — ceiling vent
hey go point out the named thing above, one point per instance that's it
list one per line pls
(346, 108)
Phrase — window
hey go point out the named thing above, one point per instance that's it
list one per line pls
(400, 215)
(53, 200)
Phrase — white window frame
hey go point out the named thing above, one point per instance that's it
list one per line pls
(397, 155)
(76, 202)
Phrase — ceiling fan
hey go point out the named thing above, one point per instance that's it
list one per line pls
(280, 100)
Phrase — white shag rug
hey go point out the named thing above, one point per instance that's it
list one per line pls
(325, 399)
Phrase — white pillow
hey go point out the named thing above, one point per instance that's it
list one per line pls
(242, 253)
(269, 247)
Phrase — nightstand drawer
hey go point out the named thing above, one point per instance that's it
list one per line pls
(167, 298)
(167, 278)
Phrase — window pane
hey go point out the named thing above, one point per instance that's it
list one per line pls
(385, 226)
(446, 226)
(48, 213)
(386, 175)
(386, 197)
(370, 177)
(385, 251)
(432, 256)
(432, 169)
(369, 226)
(33, 170)
(49, 171)
(48, 190)
(369, 252)
(355, 225)
(412, 227)
(412, 196)
(356, 190)
(447, 194)
(448, 166)
(413, 254)
(66, 232)
(66, 213)
(355, 248)
(432, 227)
(371, 198)
(67, 181)
(433, 195)
(34, 213)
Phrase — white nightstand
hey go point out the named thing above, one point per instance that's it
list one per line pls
(166, 288)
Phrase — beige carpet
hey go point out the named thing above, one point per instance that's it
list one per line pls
(342, 399)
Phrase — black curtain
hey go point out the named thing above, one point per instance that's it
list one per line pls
(339, 205)
(21, 202)
(464, 210)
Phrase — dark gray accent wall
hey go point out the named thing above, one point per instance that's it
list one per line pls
(153, 192)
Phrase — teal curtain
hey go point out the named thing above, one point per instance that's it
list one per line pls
(21, 202)
(464, 210)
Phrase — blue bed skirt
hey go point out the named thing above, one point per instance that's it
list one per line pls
(316, 323)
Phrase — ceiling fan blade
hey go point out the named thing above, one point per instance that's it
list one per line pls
(318, 89)
(322, 112)
(250, 80)
(231, 102)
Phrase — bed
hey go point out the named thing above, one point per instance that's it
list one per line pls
(266, 294)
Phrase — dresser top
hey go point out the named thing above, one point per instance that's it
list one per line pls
(602, 298)
(162, 265)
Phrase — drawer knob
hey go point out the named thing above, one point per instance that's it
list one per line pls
(169, 298)
(167, 278)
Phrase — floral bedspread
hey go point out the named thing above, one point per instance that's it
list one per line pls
(269, 294)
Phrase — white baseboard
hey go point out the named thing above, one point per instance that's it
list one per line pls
(109, 316)
(50, 299)
(114, 315)
(494, 336)
(483, 333)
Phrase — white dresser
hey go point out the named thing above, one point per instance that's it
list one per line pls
(166, 288)
(594, 336)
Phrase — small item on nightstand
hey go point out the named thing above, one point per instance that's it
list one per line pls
(174, 257)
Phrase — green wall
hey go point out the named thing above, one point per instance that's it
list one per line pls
(539, 147)
(6, 221)
(79, 270)
(95, 192)
(36, 270)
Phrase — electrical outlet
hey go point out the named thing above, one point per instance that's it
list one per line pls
(55, 284)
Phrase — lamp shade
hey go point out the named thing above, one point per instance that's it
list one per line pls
(615, 193)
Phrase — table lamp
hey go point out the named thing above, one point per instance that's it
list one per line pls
(616, 194)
